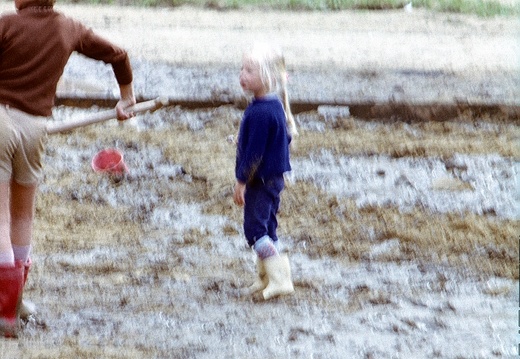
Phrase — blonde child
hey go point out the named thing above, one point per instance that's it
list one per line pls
(35, 45)
(266, 130)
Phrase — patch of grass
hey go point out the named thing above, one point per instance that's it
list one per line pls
(332, 226)
(398, 139)
(479, 7)
(335, 227)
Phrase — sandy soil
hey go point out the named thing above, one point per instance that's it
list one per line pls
(344, 57)
(144, 284)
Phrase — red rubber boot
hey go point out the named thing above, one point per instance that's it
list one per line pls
(11, 286)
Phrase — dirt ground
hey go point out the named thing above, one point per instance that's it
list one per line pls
(152, 267)
(344, 57)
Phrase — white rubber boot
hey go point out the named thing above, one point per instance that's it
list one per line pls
(261, 279)
(278, 272)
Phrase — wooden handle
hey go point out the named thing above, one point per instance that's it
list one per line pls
(56, 127)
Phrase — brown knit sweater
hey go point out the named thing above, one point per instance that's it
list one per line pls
(35, 45)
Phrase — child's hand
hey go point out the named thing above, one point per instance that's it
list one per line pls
(239, 193)
(122, 109)
(127, 100)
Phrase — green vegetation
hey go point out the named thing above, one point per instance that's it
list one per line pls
(479, 7)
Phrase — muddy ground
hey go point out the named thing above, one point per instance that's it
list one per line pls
(152, 266)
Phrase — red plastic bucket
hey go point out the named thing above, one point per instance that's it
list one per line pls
(110, 161)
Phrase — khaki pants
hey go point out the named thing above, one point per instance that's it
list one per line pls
(22, 138)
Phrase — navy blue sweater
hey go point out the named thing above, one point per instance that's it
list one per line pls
(263, 142)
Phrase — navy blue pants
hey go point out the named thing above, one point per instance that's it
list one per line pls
(262, 201)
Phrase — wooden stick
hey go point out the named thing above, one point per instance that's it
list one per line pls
(57, 127)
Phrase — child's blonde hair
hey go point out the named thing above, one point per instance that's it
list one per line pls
(273, 72)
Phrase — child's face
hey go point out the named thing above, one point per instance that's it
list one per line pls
(250, 79)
